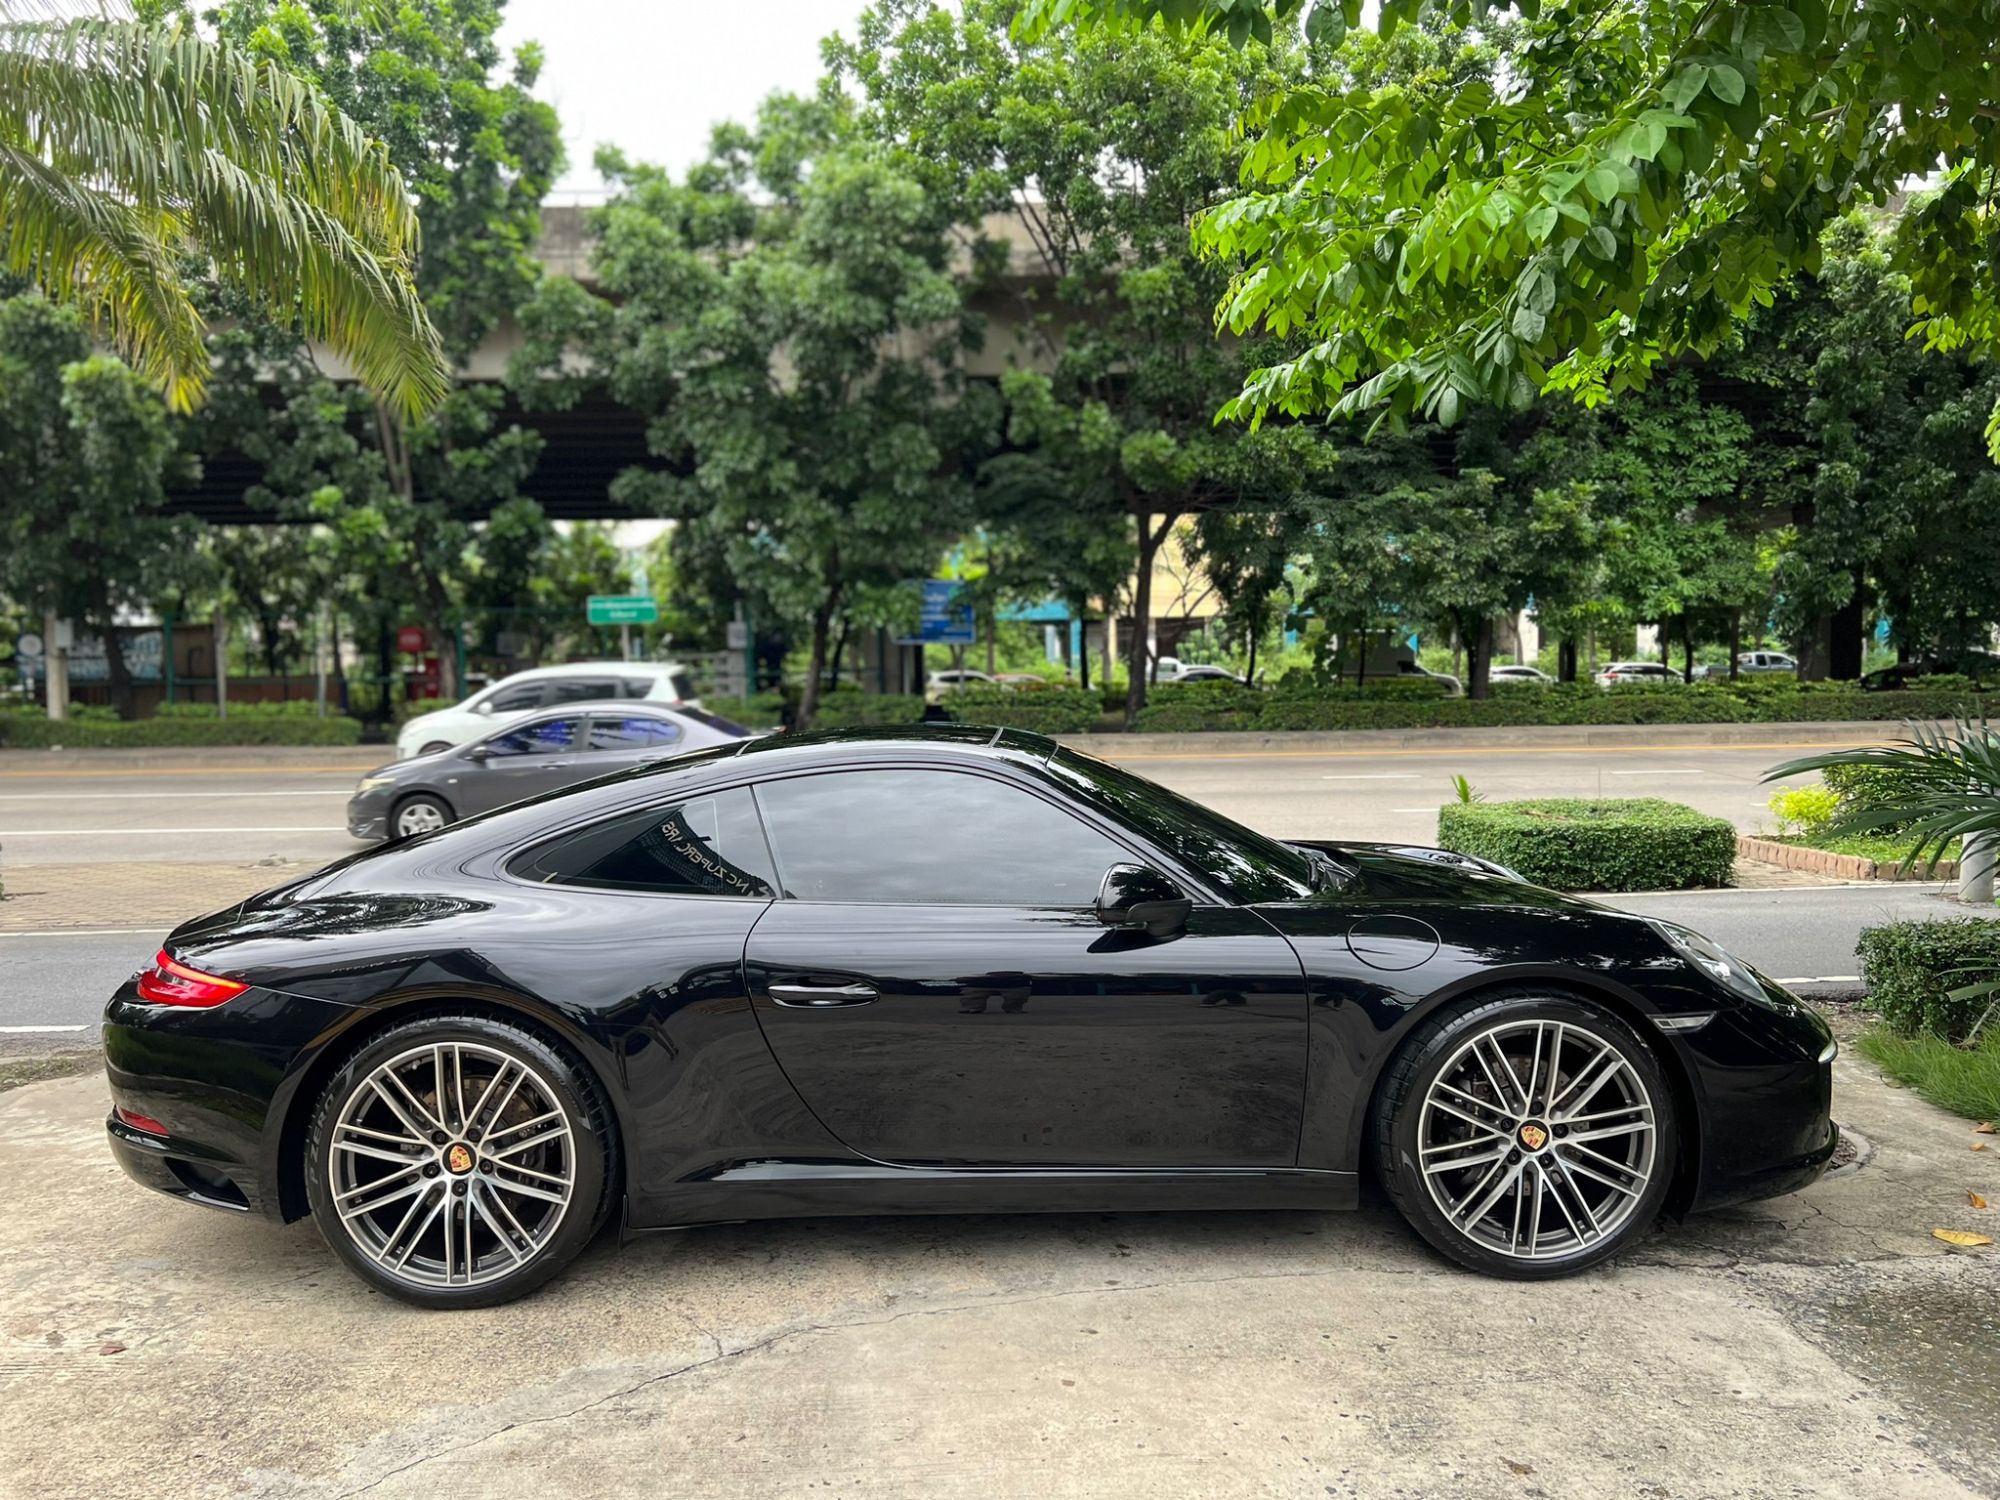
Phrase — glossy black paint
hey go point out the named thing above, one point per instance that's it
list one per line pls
(980, 1058)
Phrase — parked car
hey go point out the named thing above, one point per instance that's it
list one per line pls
(544, 752)
(1207, 673)
(763, 981)
(953, 678)
(1025, 682)
(1534, 676)
(1981, 666)
(1651, 673)
(1750, 664)
(516, 696)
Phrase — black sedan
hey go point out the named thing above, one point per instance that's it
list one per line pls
(545, 753)
(941, 970)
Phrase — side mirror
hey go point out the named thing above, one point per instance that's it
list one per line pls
(479, 755)
(1140, 896)
(484, 708)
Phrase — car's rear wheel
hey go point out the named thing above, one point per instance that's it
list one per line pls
(1526, 1135)
(459, 1161)
(420, 813)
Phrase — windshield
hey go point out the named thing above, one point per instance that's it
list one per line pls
(1245, 866)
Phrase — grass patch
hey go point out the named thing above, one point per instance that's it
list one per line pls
(1964, 1080)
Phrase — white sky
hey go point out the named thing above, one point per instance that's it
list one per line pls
(651, 76)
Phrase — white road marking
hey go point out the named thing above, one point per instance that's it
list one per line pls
(1432, 808)
(1377, 776)
(17, 1029)
(98, 833)
(1824, 979)
(1659, 771)
(94, 796)
(49, 932)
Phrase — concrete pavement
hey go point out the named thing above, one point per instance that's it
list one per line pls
(1819, 1345)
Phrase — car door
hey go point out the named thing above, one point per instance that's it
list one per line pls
(532, 758)
(936, 984)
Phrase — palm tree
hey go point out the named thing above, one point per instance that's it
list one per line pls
(125, 148)
(1945, 785)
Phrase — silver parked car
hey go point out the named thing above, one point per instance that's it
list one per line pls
(543, 753)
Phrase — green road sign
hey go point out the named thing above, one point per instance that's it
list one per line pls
(621, 609)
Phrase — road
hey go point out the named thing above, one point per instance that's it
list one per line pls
(294, 813)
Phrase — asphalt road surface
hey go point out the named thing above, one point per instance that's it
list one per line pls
(297, 812)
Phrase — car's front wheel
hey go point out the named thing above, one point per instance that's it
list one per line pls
(1526, 1135)
(421, 813)
(459, 1161)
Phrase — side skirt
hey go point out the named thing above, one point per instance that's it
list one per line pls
(803, 1189)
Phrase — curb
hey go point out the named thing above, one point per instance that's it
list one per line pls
(1838, 866)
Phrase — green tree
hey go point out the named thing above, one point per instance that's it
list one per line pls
(125, 147)
(800, 387)
(1091, 157)
(478, 150)
(1648, 172)
(87, 454)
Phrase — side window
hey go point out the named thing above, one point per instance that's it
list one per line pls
(704, 846)
(635, 687)
(548, 737)
(635, 733)
(582, 689)
(923, 837)
(682, 684)
(523, 695)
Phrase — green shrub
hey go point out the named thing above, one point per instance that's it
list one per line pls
(850, 708)
(1804, 810)
(291, 708)
(1053, 710)
(1857, 786)
(409, 710)
(22, 731)
(760, 711)
(1637, 844)
(1910, 965)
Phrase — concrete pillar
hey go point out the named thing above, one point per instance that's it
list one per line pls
(1975, 869)
(55, 664)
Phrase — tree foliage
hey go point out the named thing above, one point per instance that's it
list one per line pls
(1647, 173)
(87, 453)
(1084, 160)
(125, 146)
(793, 339)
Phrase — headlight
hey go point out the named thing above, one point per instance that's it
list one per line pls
(1716, 961)
(370, 783)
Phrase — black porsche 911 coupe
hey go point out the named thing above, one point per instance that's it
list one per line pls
(943, 970)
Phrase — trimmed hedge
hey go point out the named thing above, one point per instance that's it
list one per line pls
(1194, 707)
(850, 708)
(1907, 966)
(247, 727)
(1052, 710)
(1635, 844)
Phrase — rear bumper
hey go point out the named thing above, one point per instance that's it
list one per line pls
(214, 1080)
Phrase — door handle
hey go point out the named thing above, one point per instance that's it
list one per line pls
(822, 996)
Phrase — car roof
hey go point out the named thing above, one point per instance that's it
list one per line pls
(951, 741)
(593, 669)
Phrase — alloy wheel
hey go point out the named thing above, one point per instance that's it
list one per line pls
(452, 1164)
(421, 816)
(1537, 1139)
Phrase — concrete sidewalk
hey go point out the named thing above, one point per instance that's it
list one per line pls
(1819, 1345)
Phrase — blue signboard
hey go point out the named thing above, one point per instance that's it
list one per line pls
(944, 619)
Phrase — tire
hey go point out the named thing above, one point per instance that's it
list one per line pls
(421, 812)
(435, 747)
(454, 1226)
(1557, 1205)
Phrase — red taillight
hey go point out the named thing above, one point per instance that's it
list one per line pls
(171, 983)
(138, 1121)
